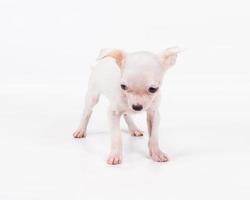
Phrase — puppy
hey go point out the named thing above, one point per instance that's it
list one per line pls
(132, 84)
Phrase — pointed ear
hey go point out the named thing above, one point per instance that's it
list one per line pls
(117, 54)
(168, 57)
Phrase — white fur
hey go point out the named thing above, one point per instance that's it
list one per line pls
(138, 71)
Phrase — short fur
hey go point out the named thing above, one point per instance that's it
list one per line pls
(138, 72)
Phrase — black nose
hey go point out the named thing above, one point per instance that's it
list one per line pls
(137, 107)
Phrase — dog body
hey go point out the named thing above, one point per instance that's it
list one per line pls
(131, 82)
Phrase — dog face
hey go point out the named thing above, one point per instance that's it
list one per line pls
(141, 75)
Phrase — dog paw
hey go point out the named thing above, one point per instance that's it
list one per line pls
(114, 158)
(136, 133)
(158, 156)
(79, 133)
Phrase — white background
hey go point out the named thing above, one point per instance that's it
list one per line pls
(46, 50)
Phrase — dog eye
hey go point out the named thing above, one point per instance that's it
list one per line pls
(152, 89)
(124, 87)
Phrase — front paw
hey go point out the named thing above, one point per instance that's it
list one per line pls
(114, 158)
(79, 133)
(158, 156)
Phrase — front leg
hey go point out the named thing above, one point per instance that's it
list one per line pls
(115, 155)
(153, 119)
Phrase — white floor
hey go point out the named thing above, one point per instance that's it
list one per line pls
(208, 148)
(46, 49)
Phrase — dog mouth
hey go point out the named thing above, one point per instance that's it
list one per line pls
(136, 111)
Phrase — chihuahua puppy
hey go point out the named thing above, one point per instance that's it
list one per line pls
(132, 83)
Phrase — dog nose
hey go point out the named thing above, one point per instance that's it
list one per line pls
(137, 107)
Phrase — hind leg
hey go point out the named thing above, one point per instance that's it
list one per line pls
(132, 127)
(91, 100)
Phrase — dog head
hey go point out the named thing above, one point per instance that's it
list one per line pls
(141, 74)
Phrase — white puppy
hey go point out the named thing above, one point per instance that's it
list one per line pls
(131, 82)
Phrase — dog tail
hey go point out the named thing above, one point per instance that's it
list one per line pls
(175, 49)
(103, 53)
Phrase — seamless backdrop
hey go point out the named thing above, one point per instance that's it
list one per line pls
(46, 52)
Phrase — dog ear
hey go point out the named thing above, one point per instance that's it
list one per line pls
(117, 54)
(168, 57)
